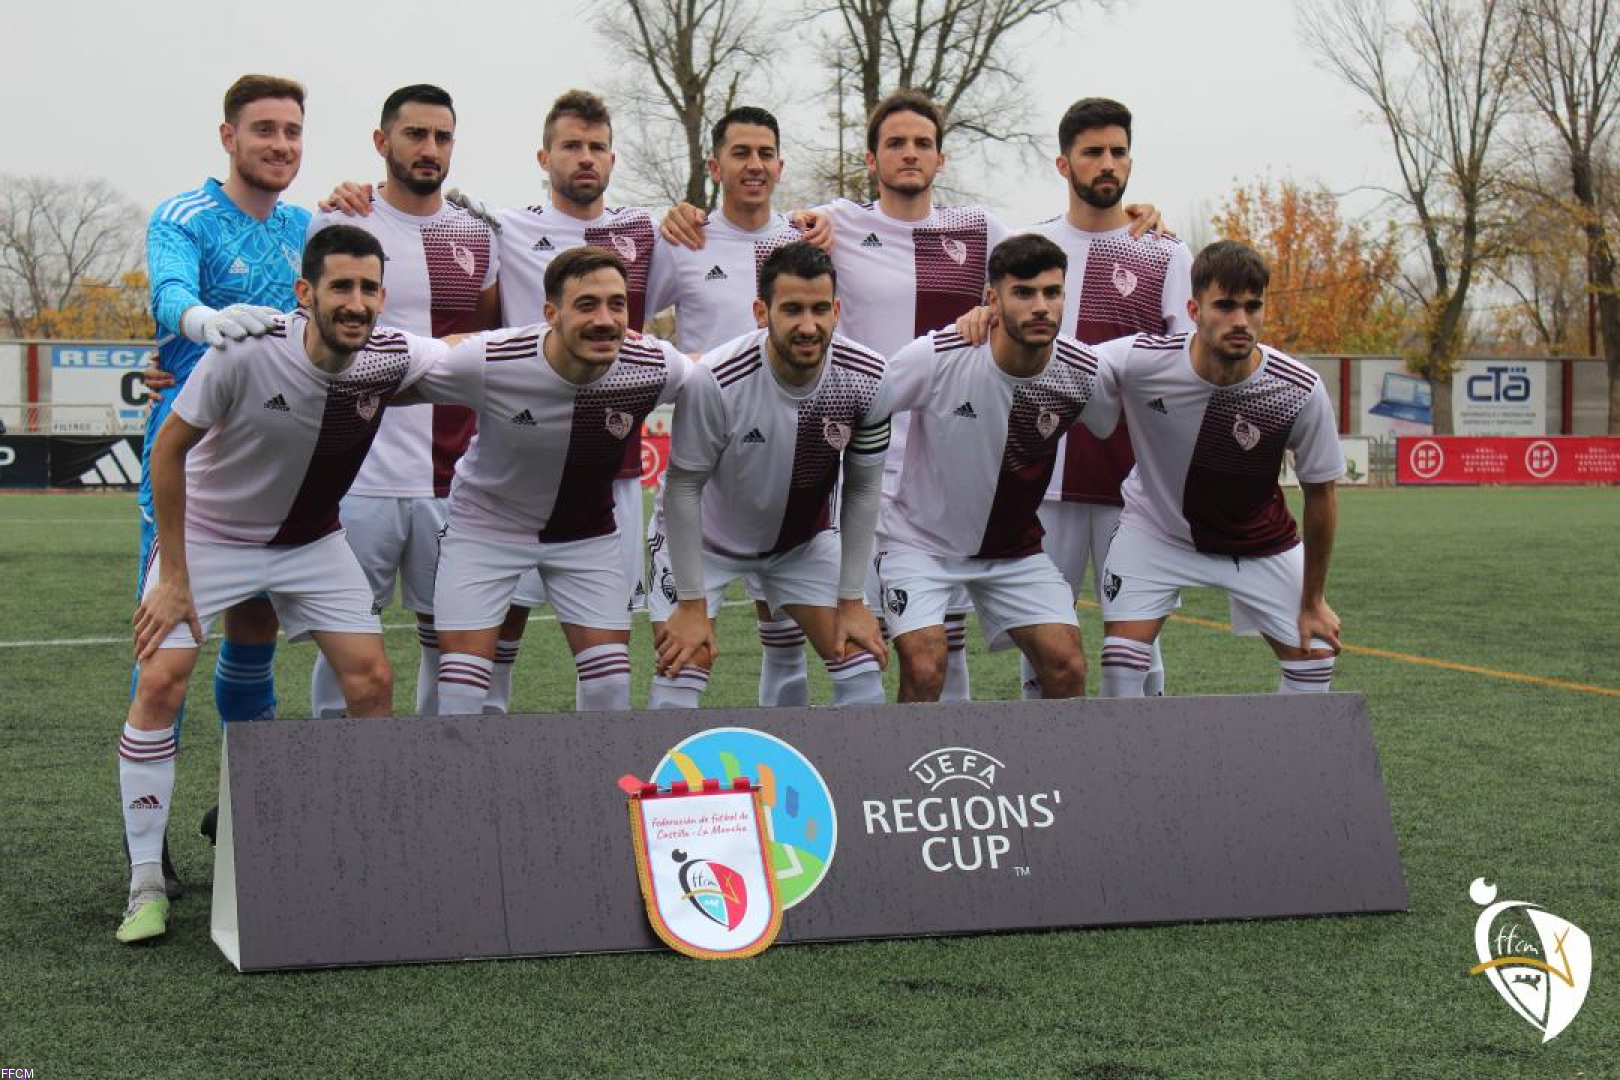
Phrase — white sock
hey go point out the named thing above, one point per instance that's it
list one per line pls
(427, 671)
(683, 690)
(463, 681)
(602, 678)
(783, 679)
(1031, 681)
(957, 685)
(499, 698)
(1306, 676)
(326, 690)
(857, 680)
(146, 785)
(1154, 687)
(1125, 667)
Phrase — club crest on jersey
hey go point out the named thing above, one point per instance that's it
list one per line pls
(1124, 280)
(464, 259)
(1047, 422)
(836, 434)
(1111, 586)
(897, 601)
(626, 246)
(1246, 434)
(367, 406)
(955, 249)
(619, 423)
(666, 584)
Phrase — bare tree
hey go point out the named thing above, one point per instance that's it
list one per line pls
(1440, 83)
(686, 60)
(56, 235)
(1569, 65)
(961, 53)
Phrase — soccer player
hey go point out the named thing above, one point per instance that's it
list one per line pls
(762, 428)
(556, 403)
(247, 472)
(1210, 415)
(221, 260)
(986, 420)
(442, 265)
(713, 289)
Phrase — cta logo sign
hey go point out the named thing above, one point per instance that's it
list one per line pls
(964, 824)
(1499, 382)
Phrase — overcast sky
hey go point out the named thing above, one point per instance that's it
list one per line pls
(1222, 93)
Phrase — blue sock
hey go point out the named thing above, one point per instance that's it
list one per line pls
(244, 682)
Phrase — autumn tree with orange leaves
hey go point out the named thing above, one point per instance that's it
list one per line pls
(1332, 283)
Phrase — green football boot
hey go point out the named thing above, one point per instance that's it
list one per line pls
(147, 917)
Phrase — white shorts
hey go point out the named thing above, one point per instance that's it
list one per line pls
(1007, 593)
(960, 602)
(478, 576)
(530, 591)
(627, 512)
(1144, 575)
(317, 586)
(1075, 532)
(396, 538)
(807, 575)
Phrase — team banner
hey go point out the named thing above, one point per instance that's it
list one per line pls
(96, 388)
(704, 871)
(1464, 460)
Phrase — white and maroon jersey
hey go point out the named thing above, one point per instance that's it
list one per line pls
(1208, 457)
(982, 445)
(547, 450)
(285, 439)
(773, 452)
(437, 268)
(531, 236)
(900, 279)
(1117, 285)
(713, 289)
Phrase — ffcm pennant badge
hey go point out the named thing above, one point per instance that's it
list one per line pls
(1539, 963)
(704, 872)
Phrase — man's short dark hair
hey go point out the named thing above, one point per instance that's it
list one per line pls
(584, 106)
(744, 114)
(905, 101)
(422, 93)
(580, 262)
(1089, 113)
(250, 88)
(338, 240)
(800, 260)
(1236, 268)
(1025, 256)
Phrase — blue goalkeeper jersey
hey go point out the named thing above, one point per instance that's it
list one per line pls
(202, 249)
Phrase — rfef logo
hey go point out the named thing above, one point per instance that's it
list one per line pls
(1539, 963)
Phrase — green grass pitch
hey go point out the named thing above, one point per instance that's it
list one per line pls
(1515, 781)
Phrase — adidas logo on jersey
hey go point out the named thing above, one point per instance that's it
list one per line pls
(277, 404)
(871, 241)
(238, 266)
(146, 802)
(966, 409)
(754, 436)
(1157, 405)
(544, 244)
(715, 274)
(525, 419)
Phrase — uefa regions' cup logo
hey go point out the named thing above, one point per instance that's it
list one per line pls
(1539, 963)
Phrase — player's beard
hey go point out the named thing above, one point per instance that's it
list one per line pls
(782, 346)
(1026, 334)
(1090, 197)
(579, 195)
(248, 168)
(402, 175)
(326, 324)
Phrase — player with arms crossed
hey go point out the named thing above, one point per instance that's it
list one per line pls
(442, 264)
(762, 428)
(555, 404)
(247, 472)
(986, 420)
(1210, 415)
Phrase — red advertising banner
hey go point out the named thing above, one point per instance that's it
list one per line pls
(654, 457)
(1507, 460)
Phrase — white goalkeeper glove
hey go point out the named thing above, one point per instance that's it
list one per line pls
(474, 206)
(209, 327)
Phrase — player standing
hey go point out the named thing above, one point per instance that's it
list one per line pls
(442, 264)
(247, 472)
(986, 420)
(555, 403)
(1210, 415)
(763, 427)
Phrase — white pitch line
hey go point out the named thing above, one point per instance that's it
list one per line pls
(70, 521)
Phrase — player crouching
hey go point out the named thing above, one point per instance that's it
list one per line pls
(247, 472)
(762, 429)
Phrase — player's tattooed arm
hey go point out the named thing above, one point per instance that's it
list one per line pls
(169, 603)
(683, 225)
(1321, 520)
(475, 206)
(350, 199)
(815, 226)
(1145, 218)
